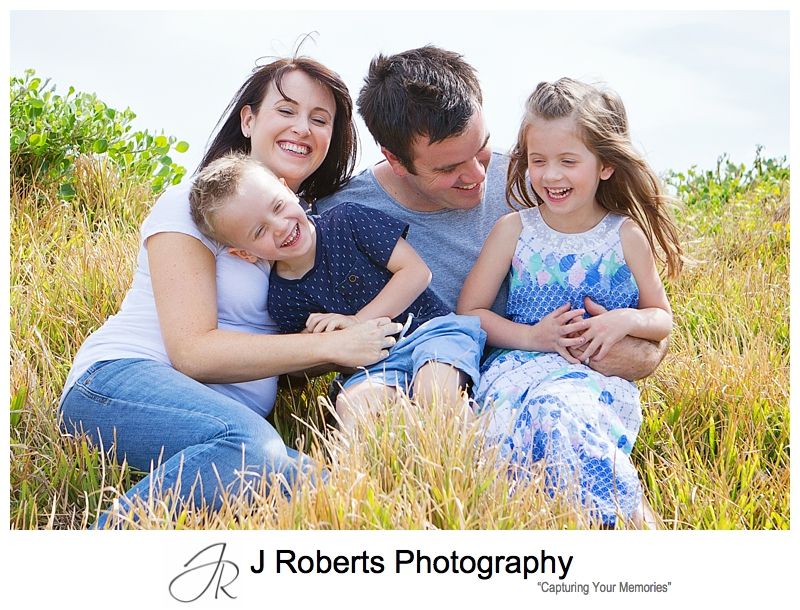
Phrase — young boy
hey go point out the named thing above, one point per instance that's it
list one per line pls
(331, 271)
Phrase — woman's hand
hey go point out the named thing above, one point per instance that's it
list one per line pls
(326, 322)
(365, 343)
(558, 331)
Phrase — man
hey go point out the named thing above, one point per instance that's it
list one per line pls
(423, 107)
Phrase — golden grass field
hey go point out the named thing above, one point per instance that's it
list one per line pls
(713, 451)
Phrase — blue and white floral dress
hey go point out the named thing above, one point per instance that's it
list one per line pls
(582, 423)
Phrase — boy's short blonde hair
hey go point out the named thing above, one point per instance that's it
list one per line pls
(216, 183)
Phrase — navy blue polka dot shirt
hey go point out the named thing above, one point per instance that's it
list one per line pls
(354, 245)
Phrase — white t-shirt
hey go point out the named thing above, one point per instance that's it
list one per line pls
(134, 332)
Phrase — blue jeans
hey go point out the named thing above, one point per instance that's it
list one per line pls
(449, 339)
(187, 436)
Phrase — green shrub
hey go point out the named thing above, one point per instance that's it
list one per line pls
(712, 189)
(49, 132)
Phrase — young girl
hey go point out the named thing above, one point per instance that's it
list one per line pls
(585, 244)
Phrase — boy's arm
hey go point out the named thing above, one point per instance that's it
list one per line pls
(410, 278)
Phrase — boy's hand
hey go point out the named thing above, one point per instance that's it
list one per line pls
(326, 322)
(560, 330)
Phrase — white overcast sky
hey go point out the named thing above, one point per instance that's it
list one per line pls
(697, 84)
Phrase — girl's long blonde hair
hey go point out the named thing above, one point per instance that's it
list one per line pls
(633, 190)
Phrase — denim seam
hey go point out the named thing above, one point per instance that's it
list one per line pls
(90, 373)
(160, 472)
(91, 394)
(106, 400)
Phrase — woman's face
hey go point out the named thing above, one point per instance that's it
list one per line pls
(291, 134)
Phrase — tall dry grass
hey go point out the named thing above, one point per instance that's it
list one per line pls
(713, 451)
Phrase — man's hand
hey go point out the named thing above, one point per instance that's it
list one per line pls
(629, 358)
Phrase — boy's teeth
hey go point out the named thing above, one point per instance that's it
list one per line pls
(295, 148)
(291, 237)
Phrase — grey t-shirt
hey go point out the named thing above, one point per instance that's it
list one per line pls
(449, 241)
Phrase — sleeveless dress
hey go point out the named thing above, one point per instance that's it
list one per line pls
(538, 405)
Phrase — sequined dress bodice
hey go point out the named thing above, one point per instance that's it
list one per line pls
(550, 268)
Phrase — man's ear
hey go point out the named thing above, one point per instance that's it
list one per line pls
(394, 162)
(243, 254)
(606, 172)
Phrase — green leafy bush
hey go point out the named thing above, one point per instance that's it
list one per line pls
(49, 132)
(712, 197)
(712, 189)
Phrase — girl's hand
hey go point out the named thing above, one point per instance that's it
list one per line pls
(604, 330)
(326, 322)
(365, 343)
(558, 331)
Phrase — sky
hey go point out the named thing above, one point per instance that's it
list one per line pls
(696, 84)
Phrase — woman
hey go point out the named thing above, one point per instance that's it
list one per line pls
(183, 376)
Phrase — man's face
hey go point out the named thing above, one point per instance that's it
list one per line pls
(450, 174)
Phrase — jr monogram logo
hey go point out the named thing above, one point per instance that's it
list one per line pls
(204, 569)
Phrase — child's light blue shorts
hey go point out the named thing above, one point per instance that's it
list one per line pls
(451, 339)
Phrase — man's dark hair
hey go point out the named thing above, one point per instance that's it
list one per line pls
(425, 92)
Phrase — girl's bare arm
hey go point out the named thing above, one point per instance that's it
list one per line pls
(481, 287)
(639, 353)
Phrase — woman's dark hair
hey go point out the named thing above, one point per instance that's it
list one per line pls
(341, 158)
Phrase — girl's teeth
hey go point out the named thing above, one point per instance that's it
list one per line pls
(558, 193)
